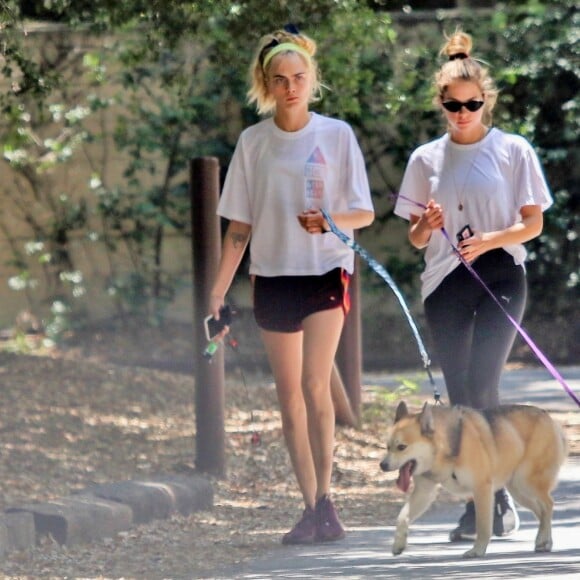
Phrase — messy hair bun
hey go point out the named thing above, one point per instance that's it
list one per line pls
(459, 45)
(462, 66)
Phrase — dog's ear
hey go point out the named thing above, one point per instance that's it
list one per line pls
(401, 411)
(426, 420)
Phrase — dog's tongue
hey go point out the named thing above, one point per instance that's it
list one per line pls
(404, 479)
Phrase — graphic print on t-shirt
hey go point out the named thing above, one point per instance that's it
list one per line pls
(314, 174)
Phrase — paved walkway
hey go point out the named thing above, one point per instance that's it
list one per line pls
(365, 553)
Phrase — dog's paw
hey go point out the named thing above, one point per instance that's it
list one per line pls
(399, 543)
(474, 553)
(545, 546)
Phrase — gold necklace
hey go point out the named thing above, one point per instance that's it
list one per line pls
(461, 194)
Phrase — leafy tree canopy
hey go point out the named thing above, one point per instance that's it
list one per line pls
(380, 80)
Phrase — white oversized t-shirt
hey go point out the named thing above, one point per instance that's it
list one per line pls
(493, 179)
(275, 175)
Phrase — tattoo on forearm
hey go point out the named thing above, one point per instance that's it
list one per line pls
(238, 239)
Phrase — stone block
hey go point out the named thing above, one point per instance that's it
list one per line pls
(189, 493)
(158, 497)
(78, 519)
(147, 502)
(20, 530)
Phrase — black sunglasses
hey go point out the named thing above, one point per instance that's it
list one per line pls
(455, 106)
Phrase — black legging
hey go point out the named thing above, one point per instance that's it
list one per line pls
(472, 337)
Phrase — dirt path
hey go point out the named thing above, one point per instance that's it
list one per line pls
(68, 420)
(65, 424)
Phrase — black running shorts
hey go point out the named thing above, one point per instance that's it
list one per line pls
(281, 303)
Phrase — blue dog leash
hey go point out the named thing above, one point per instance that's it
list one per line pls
(382, 272)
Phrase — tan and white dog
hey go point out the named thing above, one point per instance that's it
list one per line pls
(472, 454)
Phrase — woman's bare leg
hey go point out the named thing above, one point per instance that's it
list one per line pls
(321, 336)
(284, 352)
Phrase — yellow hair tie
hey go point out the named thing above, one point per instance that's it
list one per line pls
(284, 46)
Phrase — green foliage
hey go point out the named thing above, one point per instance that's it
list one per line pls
(182, 68)
(39, 139)
(383, 398)
(27, 78)
(540, 85)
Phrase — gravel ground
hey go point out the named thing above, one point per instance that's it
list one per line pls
(70, 419)
(74, 417)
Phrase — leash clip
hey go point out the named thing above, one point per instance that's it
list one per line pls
(437, 397)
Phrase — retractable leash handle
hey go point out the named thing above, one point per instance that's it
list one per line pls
(535, 349)
(382, 272)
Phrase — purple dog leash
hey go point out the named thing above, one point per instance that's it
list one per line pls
(535, 349)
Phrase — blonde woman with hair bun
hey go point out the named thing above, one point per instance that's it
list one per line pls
(461, 65)
(284, 170)
(486, 188)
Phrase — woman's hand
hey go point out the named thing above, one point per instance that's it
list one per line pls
(433, 216)
(312, 221)
(473, 247)
(216, 302)
(528, 228)
(422, 226)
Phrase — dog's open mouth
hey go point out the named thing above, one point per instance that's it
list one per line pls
(405, 475)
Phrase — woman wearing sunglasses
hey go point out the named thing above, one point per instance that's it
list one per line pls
(487, 190)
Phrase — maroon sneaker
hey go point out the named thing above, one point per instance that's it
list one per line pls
(328, 526)
(304, 531)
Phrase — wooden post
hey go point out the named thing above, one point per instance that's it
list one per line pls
(343, 412)
(209, 376)
(349, 356)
